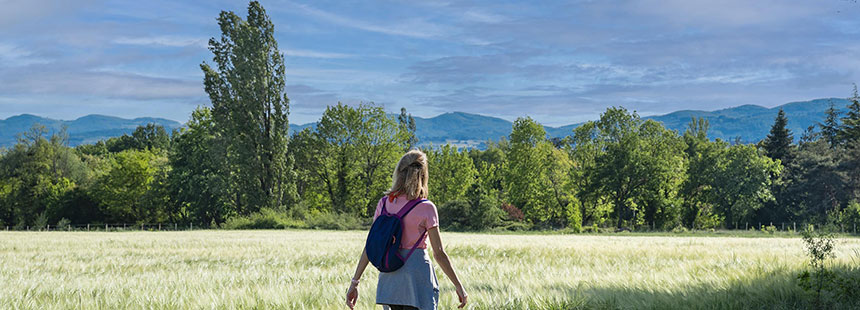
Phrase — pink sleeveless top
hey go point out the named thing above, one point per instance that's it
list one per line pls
(423, 217)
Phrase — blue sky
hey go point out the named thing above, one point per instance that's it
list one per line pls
(558, 62)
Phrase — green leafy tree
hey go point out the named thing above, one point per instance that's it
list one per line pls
(348, 158)
(36, 174)
(639, 168)
(703, 156)
(151, 136)
(197, 183)
(537, 178)
(742, 182)
(250, 109)
(122, 191)
(477, 210)
(452, 173)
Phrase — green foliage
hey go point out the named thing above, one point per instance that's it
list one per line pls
(850, 128)
(250, 109)
(274, 219)
(742, 182)
(777, 145)
(537, 178)
(407, 125)
(452, 173)
(635, 167)
(819, 248)
(121, 190)
(830, 127)
(63, 224)
(345, 163)
(476, 211)
(197, 184)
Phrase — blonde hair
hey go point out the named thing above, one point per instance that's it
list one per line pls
(411, 176)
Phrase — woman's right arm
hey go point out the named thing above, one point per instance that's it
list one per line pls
(352, 292)
(443, 261)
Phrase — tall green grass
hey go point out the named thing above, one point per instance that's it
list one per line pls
(311, 269)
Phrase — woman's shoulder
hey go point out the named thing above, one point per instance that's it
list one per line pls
(427, 204)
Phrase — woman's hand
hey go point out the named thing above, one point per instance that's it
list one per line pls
(462, 295)
(351, 295)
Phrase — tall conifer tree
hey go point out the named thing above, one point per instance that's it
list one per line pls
(777, 145)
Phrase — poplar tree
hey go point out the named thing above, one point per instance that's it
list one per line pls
(407, 123)
(250, 109)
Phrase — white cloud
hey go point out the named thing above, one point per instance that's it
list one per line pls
(415, 28)
(170, 41)
(313, 54)
(15, 56)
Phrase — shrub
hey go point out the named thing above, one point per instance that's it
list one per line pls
(452, 215)
(514, 213)
(41, 221)
(591, 229)
(770, 229)
(819, 247)
(479, 212)
(265, 219)
(574, 218)
(63, 224)
(679, 229)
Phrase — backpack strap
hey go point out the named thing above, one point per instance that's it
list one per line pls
(383, 211)
(409, 206)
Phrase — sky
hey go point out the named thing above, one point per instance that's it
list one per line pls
(557, 62)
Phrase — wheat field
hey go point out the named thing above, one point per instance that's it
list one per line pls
(212, 269)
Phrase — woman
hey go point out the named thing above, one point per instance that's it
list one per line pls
(414, 285)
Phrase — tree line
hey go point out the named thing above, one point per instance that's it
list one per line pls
(235, 165)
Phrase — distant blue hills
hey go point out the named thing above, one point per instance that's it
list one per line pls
(749, 123)
(84, 130)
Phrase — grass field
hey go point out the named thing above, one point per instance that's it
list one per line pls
(311, 270)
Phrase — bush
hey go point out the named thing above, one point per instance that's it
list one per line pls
(514, 213)
(849, 217)
(41, 221)
(63, 224)
(679, 229)
(770, 229)
(273, 219)
(514, 226)
(265, 219)
(574, 219)
(479, 212)
(591, 229)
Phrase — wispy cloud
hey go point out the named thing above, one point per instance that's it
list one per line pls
(15, 56)
(560, 62)
(413, 27)
(170, 41)
(314, 54)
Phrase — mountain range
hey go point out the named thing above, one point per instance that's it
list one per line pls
(749, 123)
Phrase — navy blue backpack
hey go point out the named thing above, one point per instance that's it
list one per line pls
(383, 240)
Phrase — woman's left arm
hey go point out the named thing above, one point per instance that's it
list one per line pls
(352, 292)
(445, 263)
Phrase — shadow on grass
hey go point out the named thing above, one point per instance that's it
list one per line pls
(778, 290)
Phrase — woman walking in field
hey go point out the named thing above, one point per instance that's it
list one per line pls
(414, 285)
